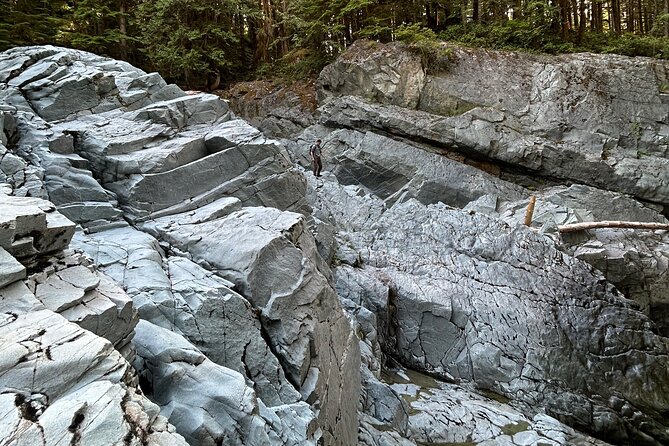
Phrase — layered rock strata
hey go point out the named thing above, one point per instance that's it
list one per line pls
(108, 143)
(592, 119)
(62, 377)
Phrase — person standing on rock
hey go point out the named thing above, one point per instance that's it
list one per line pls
(315, 151)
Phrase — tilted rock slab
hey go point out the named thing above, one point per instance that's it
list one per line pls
(100, 131)
(471, 298)
(61, 384)
(600, 120)
(273, 262)
(209, 404)
(396, 170)
(635, 261)
(177, 294)
(480, 301)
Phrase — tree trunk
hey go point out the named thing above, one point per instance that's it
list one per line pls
(123, 30)
(576, 227)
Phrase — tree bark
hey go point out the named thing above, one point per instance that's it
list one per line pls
(123, 30)
(576, 227)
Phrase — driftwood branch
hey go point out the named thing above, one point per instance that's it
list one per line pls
(575, 227)
(530, 210)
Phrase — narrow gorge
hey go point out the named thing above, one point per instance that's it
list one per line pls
(172, 273)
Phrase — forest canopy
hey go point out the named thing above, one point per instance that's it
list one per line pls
(200, 43)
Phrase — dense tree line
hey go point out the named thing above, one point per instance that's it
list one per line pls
(198, 42)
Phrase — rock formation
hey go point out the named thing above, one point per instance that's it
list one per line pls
(108, 144)
(213, 293)
(403, 141)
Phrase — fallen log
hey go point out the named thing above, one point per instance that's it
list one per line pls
(575, 227)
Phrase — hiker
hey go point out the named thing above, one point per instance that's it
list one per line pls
(315, 152)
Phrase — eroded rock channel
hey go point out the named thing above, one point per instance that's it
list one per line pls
(169, 274)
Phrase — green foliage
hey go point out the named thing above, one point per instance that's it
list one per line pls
(30, 22)
(190, 40)
(513, 35)
(196, 42)
(294, 66)
(423, 41)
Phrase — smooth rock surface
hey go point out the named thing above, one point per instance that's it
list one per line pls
(273, 262)
(208, 403)
(600, 120)
(46, 400)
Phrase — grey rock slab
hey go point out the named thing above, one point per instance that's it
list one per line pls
(58, 295)
(10, 269)
(30, 225)
(232, 133)
(501, 301)
(226, 328)
(207, 403)
(394, 170)
(177, 294)
(594, 119)
(30, 339)
(17, 298)
(80, 277)
(201, 108)
(375, 433)
(634, 261)
(273, 262)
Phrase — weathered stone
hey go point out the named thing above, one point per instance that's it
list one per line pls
(394, 170)
(177, 294)
(599, 120)
(634, 261)
(276, 110)
(30, 226)
(207, 403)
(273, 262)
(45, 400)
(376, 72)
(446, 413)
(10, 269)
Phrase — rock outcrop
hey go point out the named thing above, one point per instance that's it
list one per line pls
(260, 332)
(401, 141)
(256, 306)
(592, 119)
(63, 378)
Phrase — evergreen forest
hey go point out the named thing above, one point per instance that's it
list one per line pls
(204, 43)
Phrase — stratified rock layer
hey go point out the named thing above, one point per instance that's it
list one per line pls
(107, 144)
(593, 119)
